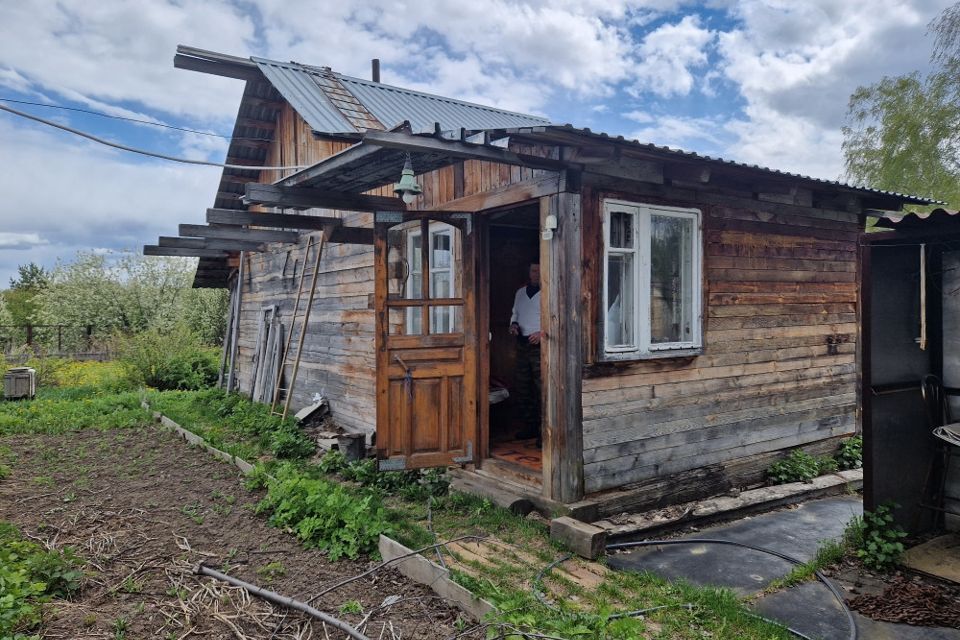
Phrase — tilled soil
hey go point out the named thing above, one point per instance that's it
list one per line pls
(141, 509)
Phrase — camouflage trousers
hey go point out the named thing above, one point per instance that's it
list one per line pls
(528, 385)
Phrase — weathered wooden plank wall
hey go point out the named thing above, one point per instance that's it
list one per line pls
(338, 358)
(778, 368)
(338, 355)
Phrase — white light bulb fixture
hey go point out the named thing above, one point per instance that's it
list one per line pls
(549, 226)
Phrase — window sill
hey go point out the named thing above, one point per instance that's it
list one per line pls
(609, 364)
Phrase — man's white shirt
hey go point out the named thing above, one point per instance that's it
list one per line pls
(526, 311)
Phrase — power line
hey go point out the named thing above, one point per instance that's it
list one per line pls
(152, 154)
(138, 120)
(107, 115)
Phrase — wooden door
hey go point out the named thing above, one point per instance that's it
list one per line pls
(426, 340)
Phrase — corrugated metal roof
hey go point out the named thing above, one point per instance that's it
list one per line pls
(388, 104)
(298, 86)
(392, 105)
(937, 218)
(544, 132)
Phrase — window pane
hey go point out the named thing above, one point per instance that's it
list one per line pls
(621, 230)
(671, 279)
(440, 284)
(404, 264)
(620, 324)
(405, 321)
(441, 251)
(446, 319)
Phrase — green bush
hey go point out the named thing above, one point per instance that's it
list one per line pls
(324, 514)
(850, 454)
(878, 538)
(30, 576)
(168, 360)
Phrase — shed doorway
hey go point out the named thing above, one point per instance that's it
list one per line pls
(514, 244)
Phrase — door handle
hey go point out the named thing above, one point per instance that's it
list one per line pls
(407, 376)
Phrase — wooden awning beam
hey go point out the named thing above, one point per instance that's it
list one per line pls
(210, 243)
(218, 64)
(279, 220)
(182, 252)
(458, 149)
(273, 195)
(237, 233)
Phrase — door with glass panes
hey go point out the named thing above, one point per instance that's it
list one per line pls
(426, 340)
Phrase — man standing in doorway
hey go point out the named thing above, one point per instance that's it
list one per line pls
(525, 325)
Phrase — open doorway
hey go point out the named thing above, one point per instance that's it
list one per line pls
(514, 243)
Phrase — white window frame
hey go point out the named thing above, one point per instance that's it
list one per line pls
(414, 272)
(642, 347)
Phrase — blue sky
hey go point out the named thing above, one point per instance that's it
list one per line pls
(760, 81)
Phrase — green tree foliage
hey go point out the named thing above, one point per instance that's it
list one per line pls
(20, 300)
(30, 276)
(129, 293)
(902, 132)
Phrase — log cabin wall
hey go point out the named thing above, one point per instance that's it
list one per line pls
(779, 358)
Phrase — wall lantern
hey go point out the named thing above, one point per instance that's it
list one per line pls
(407, 188)
(549, 226)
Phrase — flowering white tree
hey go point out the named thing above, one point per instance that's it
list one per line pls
(128, 292)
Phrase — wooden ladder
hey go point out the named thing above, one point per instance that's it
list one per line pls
(293, 360)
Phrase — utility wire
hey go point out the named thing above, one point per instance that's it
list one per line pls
(152, 154)
(138, 120)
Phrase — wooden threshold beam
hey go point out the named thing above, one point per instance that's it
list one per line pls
(306, 198)
(182, 252)
(237, 233)
(281, 220)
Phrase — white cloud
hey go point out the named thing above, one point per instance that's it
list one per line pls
(667, 56)
(796, 64)
(689, 134)
(20, 241)
(639, 116)
(71, 195)
(122, 51)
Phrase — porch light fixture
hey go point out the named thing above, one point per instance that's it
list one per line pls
(407, 188)
(549, 226)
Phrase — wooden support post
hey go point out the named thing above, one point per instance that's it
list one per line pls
(561, 353)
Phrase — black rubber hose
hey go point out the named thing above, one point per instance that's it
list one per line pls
(782, 556)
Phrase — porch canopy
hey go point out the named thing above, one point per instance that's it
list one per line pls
(378, 158)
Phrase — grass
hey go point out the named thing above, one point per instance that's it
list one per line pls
(233, 424)
(62, 410)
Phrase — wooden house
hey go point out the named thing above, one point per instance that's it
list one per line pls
(699, 315)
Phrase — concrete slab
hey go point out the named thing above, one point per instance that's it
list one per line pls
(796, 532)
(938, 557)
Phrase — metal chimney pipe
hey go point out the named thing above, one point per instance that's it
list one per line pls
(375, 64)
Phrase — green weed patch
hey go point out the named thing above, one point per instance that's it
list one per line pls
(72, 409)
(232, 423)
(30, 576)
